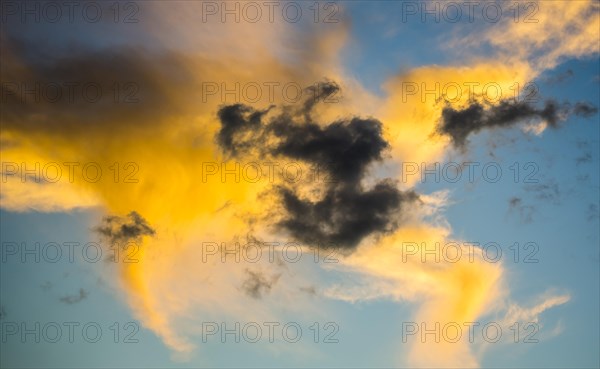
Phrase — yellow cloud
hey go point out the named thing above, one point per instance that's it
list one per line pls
(415, 99)
(452, 289)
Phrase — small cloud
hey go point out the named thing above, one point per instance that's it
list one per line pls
(311, 290)
(515, 204)
(515, 201)
(73, 299)
(257, 284)
(536, 128)
(516, 313)
(459, 124)
(120, 230)
(584, 109)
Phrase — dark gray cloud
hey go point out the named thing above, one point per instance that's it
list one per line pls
(584, 109)
(73, 299)
(525, 212)
(120, 230)
(238, 120)
(460, 123)
(79, 89)
(347, 211)
(344, 148)
(345, 215)
(321, 92)
(515, 201)
(256, 285)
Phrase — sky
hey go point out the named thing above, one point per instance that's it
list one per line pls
(383, 184)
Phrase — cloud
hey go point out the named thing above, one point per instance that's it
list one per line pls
(557, 30)
(412, 119)
(525, 211)
(347, 212)
(74, 299)
(584, 109)
(166, 132)
(236, 120)
(257, 284)
(120, 230)
(345, 216)
(91, 90)
(460, 123)
(517, 313)
(444, 291)
(514, 201)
